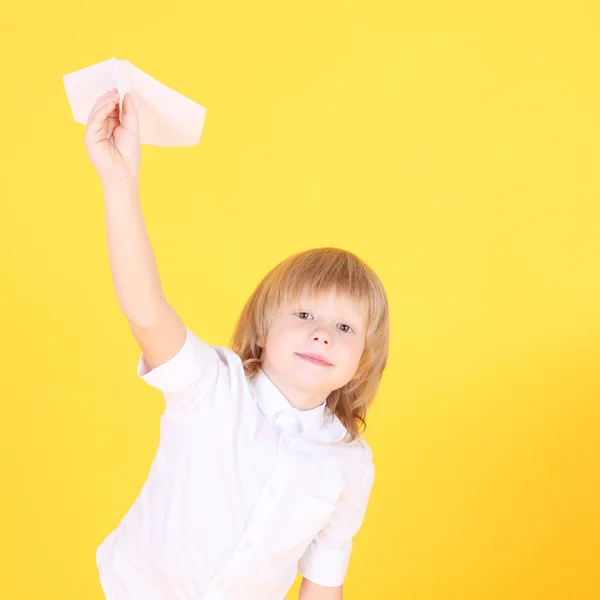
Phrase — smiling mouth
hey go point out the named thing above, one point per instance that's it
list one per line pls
(314, 360)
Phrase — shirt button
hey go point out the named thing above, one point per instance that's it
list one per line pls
(220, 584)
(248, 544)
(273, 492)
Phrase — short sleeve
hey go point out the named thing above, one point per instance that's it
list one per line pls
(325, 561)
(188, 376)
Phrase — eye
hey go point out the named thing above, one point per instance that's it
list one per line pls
(303, 312)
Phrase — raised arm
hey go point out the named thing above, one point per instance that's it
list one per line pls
(157, 328)
(113, 144)
(132, 261)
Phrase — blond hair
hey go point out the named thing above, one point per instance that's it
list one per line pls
(315, 272)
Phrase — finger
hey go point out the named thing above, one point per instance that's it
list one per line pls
(113, 119)
(106, 96)
(98, 116)
(130, 117)
(113, 104)
(107, 105)
(102, 100)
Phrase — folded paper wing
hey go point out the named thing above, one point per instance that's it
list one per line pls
(166, 117)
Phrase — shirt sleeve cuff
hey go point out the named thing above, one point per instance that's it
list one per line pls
(325, 566)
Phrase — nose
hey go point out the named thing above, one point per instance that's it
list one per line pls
(323, 335)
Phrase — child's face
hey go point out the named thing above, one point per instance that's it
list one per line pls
(330, 326)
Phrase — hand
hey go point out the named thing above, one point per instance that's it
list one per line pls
(113, 144)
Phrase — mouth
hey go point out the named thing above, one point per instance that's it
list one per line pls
(314, 360)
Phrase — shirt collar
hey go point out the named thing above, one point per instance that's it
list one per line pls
(276, 407)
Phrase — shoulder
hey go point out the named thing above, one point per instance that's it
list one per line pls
(358, 448)
(355, 459)
(228, 356)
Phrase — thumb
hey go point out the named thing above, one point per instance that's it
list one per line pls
(130, 117)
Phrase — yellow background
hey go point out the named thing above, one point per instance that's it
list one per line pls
(452, 145)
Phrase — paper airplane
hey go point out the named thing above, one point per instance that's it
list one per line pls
(166, 117)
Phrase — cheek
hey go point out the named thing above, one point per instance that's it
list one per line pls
(280, 338)
(357, 351)
(349, 351)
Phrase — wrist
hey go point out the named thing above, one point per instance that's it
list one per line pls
(120, 180)
(120, 183)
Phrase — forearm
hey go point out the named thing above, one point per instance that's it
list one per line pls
(132, 262)
(312, 591)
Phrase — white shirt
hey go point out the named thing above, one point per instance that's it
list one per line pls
(244, 491)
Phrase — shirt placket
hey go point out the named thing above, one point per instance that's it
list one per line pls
(289, 425)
